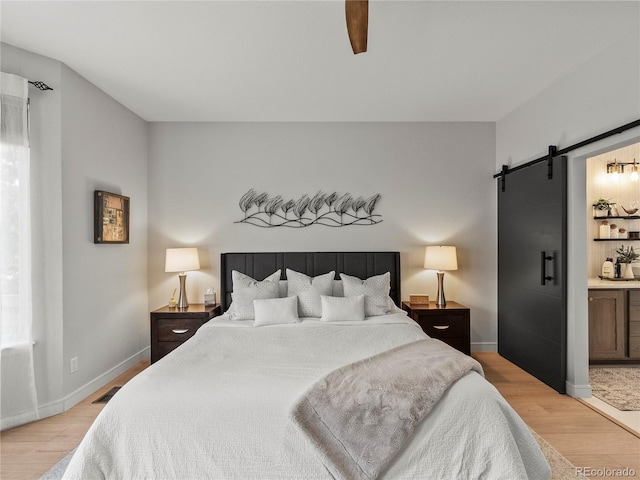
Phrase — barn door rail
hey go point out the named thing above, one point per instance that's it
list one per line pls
(554, 152)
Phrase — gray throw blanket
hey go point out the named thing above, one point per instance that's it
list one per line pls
(359, 416)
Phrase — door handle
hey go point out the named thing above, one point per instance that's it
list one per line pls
(544, 278)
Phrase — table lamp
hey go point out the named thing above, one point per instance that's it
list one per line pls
(440, 258)
(182, 260)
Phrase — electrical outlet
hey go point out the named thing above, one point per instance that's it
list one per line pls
(73, 365)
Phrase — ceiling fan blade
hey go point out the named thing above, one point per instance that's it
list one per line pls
(357, 13)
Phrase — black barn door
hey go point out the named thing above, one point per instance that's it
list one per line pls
(532, 253)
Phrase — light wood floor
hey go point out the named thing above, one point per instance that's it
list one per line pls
(30, 450)
(583, 436)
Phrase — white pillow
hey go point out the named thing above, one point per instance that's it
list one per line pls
(342, 308)
(308, 290)
(274, 311)
(337, 289)
(240, 280)
(375, 290)
(246, 290)
(282, 287)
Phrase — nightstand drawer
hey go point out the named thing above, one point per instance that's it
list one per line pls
(177, 330)
(162, 348)
(459, 343)
(171, 327)
(450, 323)
(447, 325)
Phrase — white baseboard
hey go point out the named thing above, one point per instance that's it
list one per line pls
(484, 346)
(64, 404)
(578, 391)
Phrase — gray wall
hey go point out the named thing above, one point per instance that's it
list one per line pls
(104, 147)
(434, 178)
(95, 304)
(602, 94)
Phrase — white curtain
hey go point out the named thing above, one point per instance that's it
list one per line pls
(19, 403)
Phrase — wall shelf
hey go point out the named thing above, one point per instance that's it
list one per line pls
(616, 240)
(623, 217)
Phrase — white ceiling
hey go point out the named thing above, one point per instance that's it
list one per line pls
(291, 60)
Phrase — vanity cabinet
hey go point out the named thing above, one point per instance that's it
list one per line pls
(634, 325)
(606, 324)
(614, 325)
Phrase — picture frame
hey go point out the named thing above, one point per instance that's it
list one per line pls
(111, 218)
(419, 299)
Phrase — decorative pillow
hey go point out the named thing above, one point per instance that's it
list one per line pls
(246, 290)
(282, 288)
(274, 311)
(375, 290)
(308, 290)
(337, 289)
(342, 308)
(240, 280)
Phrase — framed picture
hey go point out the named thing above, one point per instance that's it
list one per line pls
(111, 218)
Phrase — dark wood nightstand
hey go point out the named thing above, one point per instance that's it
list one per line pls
(171, 327)
(451, 323)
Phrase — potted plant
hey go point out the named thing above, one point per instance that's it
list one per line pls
(602, 207)
(627, 256)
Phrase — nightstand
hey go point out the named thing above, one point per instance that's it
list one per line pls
(171, 327)
(451, 323)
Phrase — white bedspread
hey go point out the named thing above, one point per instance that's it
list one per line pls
(218, 407)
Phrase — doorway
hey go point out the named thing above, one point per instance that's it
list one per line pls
(614, 317)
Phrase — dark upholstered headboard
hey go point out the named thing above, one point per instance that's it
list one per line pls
(261, 265)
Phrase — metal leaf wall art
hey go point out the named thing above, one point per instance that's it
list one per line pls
(331, 210)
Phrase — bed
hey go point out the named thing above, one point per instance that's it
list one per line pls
(225, 404)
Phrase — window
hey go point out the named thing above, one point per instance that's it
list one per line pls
(19, 401)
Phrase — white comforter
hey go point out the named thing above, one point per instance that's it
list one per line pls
(218, 407)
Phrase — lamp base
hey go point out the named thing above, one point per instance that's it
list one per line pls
(440, 300)
(182, 301)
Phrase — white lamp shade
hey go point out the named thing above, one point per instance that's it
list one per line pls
(181, 260)
(441, 258)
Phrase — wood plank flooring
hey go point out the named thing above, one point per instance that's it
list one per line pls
(28, 451)
(583, 436)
